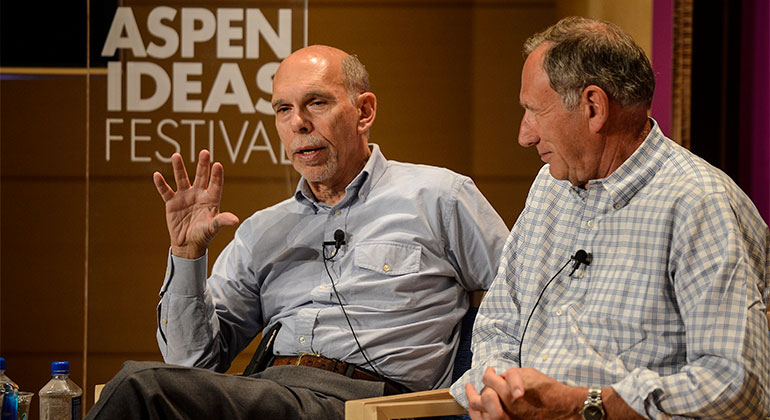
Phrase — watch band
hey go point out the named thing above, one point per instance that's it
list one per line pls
(593, 408)
(594, 396)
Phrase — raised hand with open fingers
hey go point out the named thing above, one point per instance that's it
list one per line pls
(192, 211)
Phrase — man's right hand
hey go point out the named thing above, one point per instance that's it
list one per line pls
(192, 212)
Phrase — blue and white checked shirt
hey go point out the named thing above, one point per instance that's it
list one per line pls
(670, 313)
(418, 237)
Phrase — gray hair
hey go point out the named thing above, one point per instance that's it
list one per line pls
(355, 76)
(586, 52)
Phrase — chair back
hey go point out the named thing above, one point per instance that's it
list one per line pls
(464, 354)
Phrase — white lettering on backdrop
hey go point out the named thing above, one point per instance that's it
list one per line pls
(164, 71)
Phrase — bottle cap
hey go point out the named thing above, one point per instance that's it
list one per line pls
(60, 368)
(2, 363)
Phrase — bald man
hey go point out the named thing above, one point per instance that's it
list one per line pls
(366, 269)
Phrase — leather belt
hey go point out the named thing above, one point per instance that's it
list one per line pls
(337, 366)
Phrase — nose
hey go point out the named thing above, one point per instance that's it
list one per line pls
(300, 123)
(527, 133)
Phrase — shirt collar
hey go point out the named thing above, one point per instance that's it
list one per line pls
(358, 188)
(638, 170)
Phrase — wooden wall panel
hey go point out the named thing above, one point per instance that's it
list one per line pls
(43, 265)
(503, 169)
(43, 127)
(634, 16)
(42, 234)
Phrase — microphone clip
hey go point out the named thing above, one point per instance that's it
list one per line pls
(339, 240)
(580, 257)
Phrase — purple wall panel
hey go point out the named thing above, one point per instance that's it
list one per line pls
(662, 61)
(754, 149)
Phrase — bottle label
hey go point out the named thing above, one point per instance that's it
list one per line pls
(8, 410)
(77, 412)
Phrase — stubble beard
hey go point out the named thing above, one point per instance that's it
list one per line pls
(318, 173)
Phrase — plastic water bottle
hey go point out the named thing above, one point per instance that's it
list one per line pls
(4, 379)
(8, 394)
(60, 398)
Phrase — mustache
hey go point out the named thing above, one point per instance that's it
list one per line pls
(307, 141)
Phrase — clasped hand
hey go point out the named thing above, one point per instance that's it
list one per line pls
(519, 393)
(192, 211)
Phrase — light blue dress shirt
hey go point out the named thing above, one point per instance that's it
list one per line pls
(417, 238)
(671, 311)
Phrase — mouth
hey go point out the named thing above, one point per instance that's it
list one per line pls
(309, 154)
(308, 150)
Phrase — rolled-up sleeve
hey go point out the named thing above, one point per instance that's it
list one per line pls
(719, 277)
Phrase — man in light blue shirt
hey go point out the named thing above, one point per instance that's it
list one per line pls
(367, 267)
(666, 318)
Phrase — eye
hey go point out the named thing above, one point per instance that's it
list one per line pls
(281, 109)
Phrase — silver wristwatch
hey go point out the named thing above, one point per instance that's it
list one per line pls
(593, 409)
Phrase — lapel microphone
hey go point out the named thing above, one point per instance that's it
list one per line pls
(580, 257)
(339, 240)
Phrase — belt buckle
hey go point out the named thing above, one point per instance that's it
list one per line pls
(301, 355)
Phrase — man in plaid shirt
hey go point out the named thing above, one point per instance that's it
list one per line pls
(661, 312)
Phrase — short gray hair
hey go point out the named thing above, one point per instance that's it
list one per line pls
(355, 76)
(586, 52)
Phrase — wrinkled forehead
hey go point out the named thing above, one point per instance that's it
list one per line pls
(307, 71)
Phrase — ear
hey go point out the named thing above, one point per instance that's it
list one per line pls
(596, 106)
(366, 103)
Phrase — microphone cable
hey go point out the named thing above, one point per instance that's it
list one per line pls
(337, 243)
(580, 257)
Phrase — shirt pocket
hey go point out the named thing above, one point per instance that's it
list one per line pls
(388, 258)
(620, 308)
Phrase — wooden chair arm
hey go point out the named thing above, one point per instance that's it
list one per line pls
(98, 391)
(437, 402)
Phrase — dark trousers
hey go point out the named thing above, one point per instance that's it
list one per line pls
(151, 390)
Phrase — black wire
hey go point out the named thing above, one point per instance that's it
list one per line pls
(521, 341)
(344, 312)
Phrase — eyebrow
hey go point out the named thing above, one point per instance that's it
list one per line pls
(309, 95)
(316, 94)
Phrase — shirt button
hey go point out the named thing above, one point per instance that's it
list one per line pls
(362, 196)
(590, 224)
(558, 312)
(323, 287)
(164, 321)
(544, 357)
(302, 340)
(337, 213)
(386, 267)
(617, 206)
